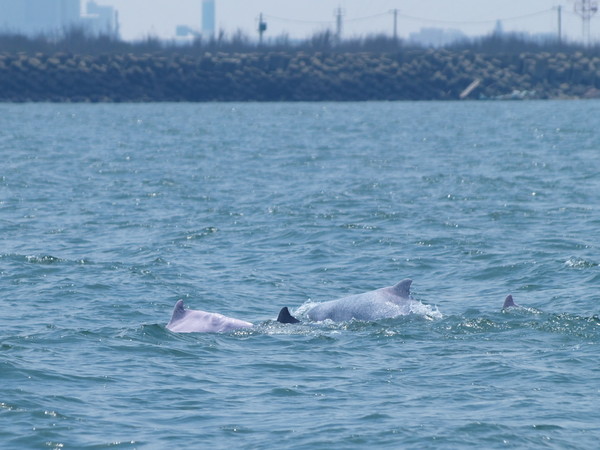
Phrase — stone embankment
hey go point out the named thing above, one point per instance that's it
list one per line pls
(296, 76)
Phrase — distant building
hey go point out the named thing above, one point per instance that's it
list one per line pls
(100, 19)
(498, 29)
(35, 17)
(436, 37)
(208, 18)
(185, 35)
(183, 31)
(32, 17)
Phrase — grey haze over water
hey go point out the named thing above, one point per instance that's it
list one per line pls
(110, 213)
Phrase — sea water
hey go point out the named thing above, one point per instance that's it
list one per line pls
(110, 213)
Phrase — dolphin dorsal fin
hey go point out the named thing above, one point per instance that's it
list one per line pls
(286, 317)
(508, 302)
(402, 289)
(178, 311)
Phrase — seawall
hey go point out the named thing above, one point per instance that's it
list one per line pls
(295, 76)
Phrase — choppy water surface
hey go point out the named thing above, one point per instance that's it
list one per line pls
(111, 213)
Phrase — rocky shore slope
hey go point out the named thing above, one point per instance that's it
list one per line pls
(296, 76)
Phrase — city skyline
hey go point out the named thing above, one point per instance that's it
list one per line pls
(34, 17)
(169, 19)
(138, 20)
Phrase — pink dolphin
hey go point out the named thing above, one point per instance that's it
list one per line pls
(196, 321)
(381, 303)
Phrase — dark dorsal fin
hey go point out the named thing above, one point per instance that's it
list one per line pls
(286, 317)
(178, 311)
(402, 289)
(508, 302)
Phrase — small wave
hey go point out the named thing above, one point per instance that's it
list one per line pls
(284, 392)
(427, 311)
(8, 407)
(359, 226)
(206, 231)
(567, 324)
(305, 307)
(475, 326)
(40, 259)
(524, 319)
(274, 328)
(46, 259)
(579, 263)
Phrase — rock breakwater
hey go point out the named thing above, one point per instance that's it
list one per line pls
(295, 76)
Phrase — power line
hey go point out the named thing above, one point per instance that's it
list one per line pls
(475, 22)
(410, 17)
(373, 16)
(285, 19)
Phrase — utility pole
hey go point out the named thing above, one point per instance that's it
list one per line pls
(586, 9)
(395, 12)
(262, 27)
(339, 13)
(559, 25)
(117, 31)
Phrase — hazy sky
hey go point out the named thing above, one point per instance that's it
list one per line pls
(302, 18)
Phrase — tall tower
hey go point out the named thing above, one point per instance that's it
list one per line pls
(586, 9)
(208, 18)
